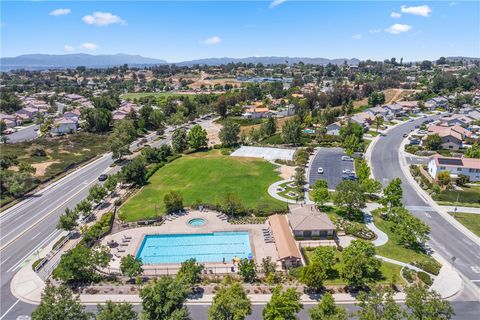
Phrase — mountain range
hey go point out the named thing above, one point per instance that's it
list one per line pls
(49, 61)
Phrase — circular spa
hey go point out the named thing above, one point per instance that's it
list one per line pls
(197, 222)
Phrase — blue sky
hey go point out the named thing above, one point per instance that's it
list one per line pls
(178, 31)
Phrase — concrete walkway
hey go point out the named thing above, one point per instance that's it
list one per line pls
(272, 191)
(382, 237)
(461, 209)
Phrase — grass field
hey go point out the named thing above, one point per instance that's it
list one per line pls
(468, 195)
(389, 272)
(207, 176)
(469, 220)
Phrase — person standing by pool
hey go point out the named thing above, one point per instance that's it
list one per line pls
(223, 260)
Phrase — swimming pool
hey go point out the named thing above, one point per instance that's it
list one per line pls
(204, 247)
(197, 222)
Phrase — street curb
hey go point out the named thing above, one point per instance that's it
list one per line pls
(460, 227)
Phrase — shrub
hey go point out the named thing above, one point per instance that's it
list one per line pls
(408, 274)
(428, 265)
(38, 152)
(425, 278)
(99, 229)
(153, 169)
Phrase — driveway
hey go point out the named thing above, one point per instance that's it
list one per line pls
(330, 159)
(24, 134)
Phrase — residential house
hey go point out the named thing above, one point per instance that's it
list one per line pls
(409, 106)
(438, 102)
(27, 113)
(456, 119)
(395, 109)
(379, 111)
(119, 115)
(287, 248)
(254, 112)
(455, 166)
(307, 221)
(64, 125)
(363, 118)
(451, 140)
(333, 129)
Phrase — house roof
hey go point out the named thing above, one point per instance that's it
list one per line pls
(443, 131)
(286, 245)
(309, 218)
(469, 163)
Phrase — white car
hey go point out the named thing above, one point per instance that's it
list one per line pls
(347, 158)
(346, 171)
(320, 170)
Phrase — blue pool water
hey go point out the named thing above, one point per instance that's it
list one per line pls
(310, 131)
(206, 247)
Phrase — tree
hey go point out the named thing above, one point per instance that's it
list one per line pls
(291, 132)
(474, 151)
(327, 310)
(134, 172)
(116, 311)
(96, 120)
(379, 122)
(96, 193)
(130, 266)
(325, 256)
(349, 194)
(247, 269)
(59, 303)
(371, 186)
(68, 220)
(462, 180)
(269, 127)
(163, 299)
(173, 201)
(412, 231)
(320, 196)
(444, 178)
(232, 204)
(424, 304)
(179, 140)
(84, 207)
(426, 65)
(313, 275)
(111, 183)
(282, 305)
(157, 119)
(360, 266)
(118, 147)
(362, 169)
(190, 271)
(3, 126)
(268, 266)
(392, 194)
(230, 303)
(378, 304)
(229, 134)
(352, 128)
(80, 264)
(351, 143)
(197, 137)
(433, 142)
(376, 98)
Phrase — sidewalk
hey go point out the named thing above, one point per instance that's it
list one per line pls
(461, 209)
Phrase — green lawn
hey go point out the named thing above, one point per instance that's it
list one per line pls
(470, 195)
(207, 176)
(469, 220)
(287, 190)
(389, 272)
(392, 249)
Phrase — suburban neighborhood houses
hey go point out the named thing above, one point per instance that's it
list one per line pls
(162, 160)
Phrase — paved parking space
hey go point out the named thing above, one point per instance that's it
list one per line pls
(264, 153)
(330, 159)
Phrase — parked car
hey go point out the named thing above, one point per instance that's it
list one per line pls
(347, 158)
(349, 177)
(405, 135)
(320, 170)
(102, 177)
(414, 142)
(348, 171)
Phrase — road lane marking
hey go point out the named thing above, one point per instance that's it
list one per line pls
(36, 235)
(9, 309)
(475, 269)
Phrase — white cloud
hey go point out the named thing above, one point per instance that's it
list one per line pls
(423, 11)
(212, 40)
(102, 19)
(60, 12)
(68, 48)
(375, 31)
(357, 36)
(395, 15)
(88, 46)
(276, 3)
(398, 28)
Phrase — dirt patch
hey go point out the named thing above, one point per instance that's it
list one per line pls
(213, 130)
(41, 168)
(286, 172)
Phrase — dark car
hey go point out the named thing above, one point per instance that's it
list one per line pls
(415, 142)
(351, 177)
(102, 177)
(405, 135)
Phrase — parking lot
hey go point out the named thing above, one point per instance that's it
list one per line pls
(330, 159)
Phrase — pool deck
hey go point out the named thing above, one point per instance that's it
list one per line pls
(260, 248)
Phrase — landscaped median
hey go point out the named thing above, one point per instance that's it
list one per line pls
(206, 178)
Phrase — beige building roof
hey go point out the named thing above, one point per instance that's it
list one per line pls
(286, 244)
(308, 218)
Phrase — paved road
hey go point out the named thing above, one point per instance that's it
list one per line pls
(445, 239)
(330, 160)
(25, 134)
(31, 225)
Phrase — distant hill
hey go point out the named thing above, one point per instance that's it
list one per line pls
(464, 59)
(46, 61)
(269, 60)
